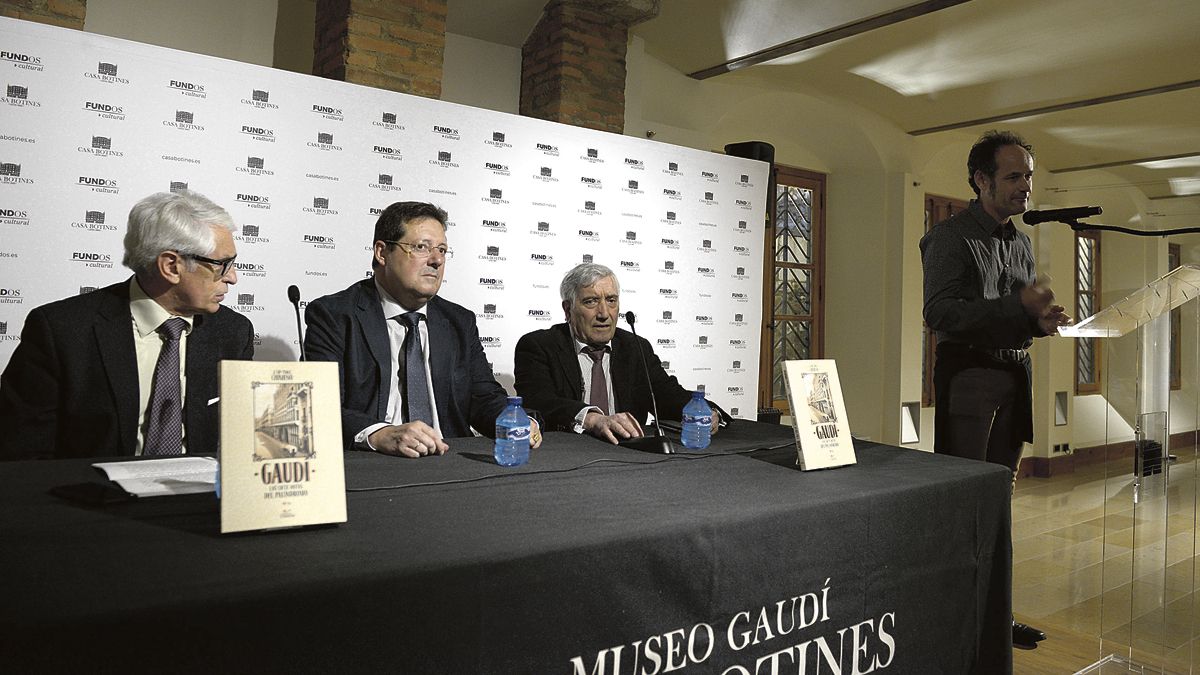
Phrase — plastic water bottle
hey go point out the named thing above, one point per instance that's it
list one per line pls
(512, 434)
(697, 422)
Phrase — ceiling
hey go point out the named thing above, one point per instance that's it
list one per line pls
(1108, 91)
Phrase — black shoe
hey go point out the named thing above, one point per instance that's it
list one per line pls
(1025, 636)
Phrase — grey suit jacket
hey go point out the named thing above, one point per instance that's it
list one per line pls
(71, 387)
(348, 327)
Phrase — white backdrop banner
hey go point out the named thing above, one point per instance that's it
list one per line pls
(90, 124)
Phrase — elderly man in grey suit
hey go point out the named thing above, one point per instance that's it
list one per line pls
(131, 369)
(413, 371)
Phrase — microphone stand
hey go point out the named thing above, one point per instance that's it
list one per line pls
(658, 443)
(294, 297)
(1077, 226)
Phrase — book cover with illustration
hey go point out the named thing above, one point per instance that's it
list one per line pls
(818, 414)
(281, 445)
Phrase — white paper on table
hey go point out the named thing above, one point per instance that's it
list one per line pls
(159, 477)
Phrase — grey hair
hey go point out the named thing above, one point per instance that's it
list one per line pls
(582, 276)
(168, 221)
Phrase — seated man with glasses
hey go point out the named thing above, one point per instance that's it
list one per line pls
(131, 369)
(404, 391)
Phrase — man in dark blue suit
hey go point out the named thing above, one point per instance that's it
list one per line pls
(84, 381)
(413, 372)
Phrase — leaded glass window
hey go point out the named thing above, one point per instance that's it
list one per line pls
(1087, 293)
(795, 277)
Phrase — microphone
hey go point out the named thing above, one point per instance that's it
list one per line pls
(658, 443)
(1067, 216)
(294, 298)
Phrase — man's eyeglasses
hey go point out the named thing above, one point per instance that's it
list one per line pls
(222, 265)
(421, 250)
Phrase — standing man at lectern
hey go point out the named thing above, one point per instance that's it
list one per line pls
(412, 369)
(131, 369)
(986, 305)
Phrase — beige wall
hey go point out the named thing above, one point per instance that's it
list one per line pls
(294, 27)
(241, 30)
(481, 74)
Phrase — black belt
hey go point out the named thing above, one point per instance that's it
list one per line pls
(1013, 355)
(1004, 355)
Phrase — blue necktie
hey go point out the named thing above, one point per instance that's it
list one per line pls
(416, 387)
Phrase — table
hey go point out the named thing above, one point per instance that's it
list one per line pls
(591, 559)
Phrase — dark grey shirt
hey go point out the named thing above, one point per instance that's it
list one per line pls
(974, 270)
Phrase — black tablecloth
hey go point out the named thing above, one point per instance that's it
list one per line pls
(590, 559)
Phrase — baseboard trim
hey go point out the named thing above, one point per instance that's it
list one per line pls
(1046, 467)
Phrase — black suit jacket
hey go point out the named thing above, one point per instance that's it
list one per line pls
(71, 387)
(348, 327)
(547, 375)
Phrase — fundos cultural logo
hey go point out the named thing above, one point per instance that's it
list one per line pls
(22, 61)
(13, 216)
(105, 110)
(92, 259)
(328, 112)
(191, 89)
(319, 241)
(387, 152)
(98, 184)
(447, 132)
(253, 201)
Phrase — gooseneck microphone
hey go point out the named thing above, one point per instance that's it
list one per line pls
(658, 443)
(1061, 215)
(294, 298)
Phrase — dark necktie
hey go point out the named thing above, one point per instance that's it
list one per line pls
(416, 387)
(599, 395)
(164, 425)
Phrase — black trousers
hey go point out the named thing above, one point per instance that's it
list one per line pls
(982, 406)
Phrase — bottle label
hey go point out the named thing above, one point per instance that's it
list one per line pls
(702, 420)
(516, 433)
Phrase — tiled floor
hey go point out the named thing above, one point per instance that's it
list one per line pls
(1088, 561)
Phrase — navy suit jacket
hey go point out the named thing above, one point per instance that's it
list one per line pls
(348, 327)
(71, 387)
(546, 369)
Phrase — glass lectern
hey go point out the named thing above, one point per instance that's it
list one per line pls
(1147, 599)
